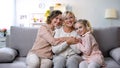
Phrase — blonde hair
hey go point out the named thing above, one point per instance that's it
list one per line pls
(66, 13)
(86, 23)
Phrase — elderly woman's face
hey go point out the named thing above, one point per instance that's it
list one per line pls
(69, 20)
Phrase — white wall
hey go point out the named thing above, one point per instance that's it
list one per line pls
(7, 13)
(25, 8)
(93, 10)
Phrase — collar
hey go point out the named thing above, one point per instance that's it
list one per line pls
(86, 33)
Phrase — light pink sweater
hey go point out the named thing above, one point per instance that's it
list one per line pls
(90, 49)
(43, 42)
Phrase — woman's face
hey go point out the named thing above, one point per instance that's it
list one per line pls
(57, 21)
(69, 20)
(80, 28)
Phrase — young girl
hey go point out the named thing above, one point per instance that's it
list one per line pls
(92, 56)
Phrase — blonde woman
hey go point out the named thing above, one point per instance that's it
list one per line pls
(66, 56)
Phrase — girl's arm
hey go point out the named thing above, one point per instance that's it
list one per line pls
(86, 45)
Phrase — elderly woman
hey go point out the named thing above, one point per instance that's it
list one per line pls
(66, 54)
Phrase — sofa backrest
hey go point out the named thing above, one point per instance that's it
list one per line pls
(107, 38)
(22, 39)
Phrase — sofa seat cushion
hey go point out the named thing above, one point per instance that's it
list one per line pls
(115, 54)
(18, 63)
(7, 54)
(110, 63)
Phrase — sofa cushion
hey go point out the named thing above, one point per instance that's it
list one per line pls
(22, 39)
(107, 38)
(7, 54)
(110, 63)
(19, 62)
(115, 54)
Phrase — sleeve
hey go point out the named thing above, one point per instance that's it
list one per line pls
(86, 45)
(75, 48)
(60, 47)
(45, 34)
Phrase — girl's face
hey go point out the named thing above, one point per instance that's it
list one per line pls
(57, 21)
(80, 28)
(69, 20)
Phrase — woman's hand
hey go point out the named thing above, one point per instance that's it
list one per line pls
(61, 39)
(72, 40)
(80, 40)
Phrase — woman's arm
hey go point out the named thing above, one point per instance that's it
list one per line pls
(75, 48)
(62, 46)
(59, 48)
(46, 35)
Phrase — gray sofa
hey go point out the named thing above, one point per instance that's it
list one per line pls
(21, 40)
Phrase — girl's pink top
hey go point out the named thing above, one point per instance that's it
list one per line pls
(90, 49)
(44, 40)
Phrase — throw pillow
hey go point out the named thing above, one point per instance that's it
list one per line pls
(7, 54)
(115, 54)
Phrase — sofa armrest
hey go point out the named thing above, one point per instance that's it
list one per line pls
(7, 54)
(115, 54)
(7, 40)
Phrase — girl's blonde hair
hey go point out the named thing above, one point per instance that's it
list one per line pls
(86, 23)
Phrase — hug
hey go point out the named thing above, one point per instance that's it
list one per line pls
(64, 42)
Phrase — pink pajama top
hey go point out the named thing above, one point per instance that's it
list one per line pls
(90, 49)
(42, 45)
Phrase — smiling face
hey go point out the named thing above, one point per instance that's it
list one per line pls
(57, 21)
(80, 28)
(69, 20)
(54, 19)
